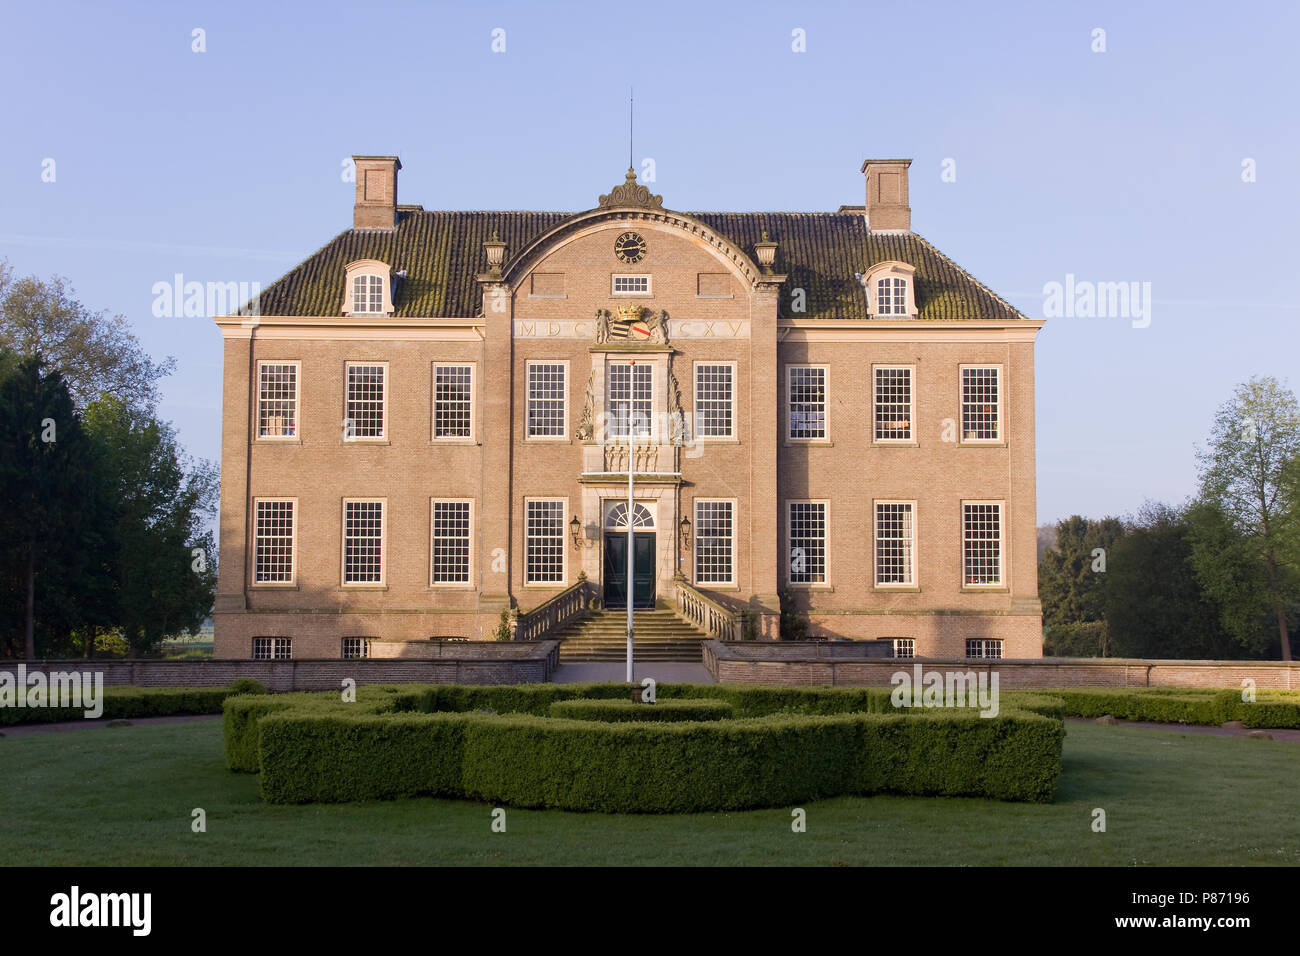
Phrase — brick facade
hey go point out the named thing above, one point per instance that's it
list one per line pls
(542, 302)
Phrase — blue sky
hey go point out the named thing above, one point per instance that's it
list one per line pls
(1124, 165)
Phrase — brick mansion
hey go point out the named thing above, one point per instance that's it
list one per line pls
(432, 420)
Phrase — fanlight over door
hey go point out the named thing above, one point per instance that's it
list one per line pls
(616, 517)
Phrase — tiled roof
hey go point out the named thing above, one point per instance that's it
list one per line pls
(442, 252)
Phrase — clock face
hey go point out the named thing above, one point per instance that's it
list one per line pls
(629, 247)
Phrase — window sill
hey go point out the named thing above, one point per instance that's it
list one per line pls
(268, 586)
(985, 589)
(453, 441)
(896, 443)
(823, 588)
(807, 442)
(558, 586)
(896, 588)
(631, 295)
(978, 443)
(717, 587)
(450, 587)
(550, 440)
(264, 440)
(363, 587)
(365, 441)
(701, 440)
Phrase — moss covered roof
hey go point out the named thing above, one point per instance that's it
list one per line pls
(442, 252)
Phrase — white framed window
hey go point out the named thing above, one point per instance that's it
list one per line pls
(450, 541)
(365, 401)
(904, 647)
(895, 544)
(894, 403)
(544, 540)
(981, 403)
(890, 289)
(715, 400)
(548, 400)
(363, 541)
(984, 648)
(277, 400)
(715, 541)
(367, 288)
(630, 399)
(806, 531)
(356, 648)
(275, 536)
(891, 296)
(629, 285)
(806, 402)
(453, 401)
(982, 543)
(272, 648)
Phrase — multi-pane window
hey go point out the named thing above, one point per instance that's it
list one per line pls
(450, 548)
(891, 296)
(367, 294)
(807, 542)
(631, 285)
(355, 648)
(366, 391)
(546, 400)
(630, 391)
(893, 404)
(714, 400)
(273, 542)
(904, 647)
(277, 400)
(363, 542)
(979, 404)
(714, 540)
(272, 648)
(982, 543)
(453, 395)
(544, 542)
(894, 542)
(806, 385)
(984, 648)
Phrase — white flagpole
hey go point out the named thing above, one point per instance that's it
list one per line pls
(631, 541)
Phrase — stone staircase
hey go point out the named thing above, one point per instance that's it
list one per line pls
(659, 635)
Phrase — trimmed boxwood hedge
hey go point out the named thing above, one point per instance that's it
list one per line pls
(624, 711)
(126, 703)
(494, 743)
(1178, 705)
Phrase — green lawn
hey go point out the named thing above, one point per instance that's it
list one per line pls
(123, 796)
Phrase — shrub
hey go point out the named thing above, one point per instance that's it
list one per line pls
(623, 711)
(446, 740)
(126, 703)
(247, 685)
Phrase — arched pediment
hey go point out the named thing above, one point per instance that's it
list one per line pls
(729, 255)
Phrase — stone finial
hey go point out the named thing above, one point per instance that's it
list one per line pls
(631, 193)
(766, 252)
(496, 253)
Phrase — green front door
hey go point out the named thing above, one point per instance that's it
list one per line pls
(643, 570)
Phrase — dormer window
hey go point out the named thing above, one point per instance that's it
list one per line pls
(889, 287)
(368, 289)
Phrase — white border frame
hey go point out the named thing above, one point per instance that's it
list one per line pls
(565, 545)
(468, 583)
(695, 402)
(1002, 404)
(1001, 584)
(826, 543)
(370, 439)
(911, 405)
(368, 267)
(293, 557)
(826, 405)
(655, 413)
(297, 402)
(914, 583)
(695, 540)
(472, 438)
(568, 381)
(382, 583)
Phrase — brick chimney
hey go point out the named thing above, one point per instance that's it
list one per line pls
(376, 206)
(887, 208)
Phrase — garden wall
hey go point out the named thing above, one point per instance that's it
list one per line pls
(840, 663)
(470, 663)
